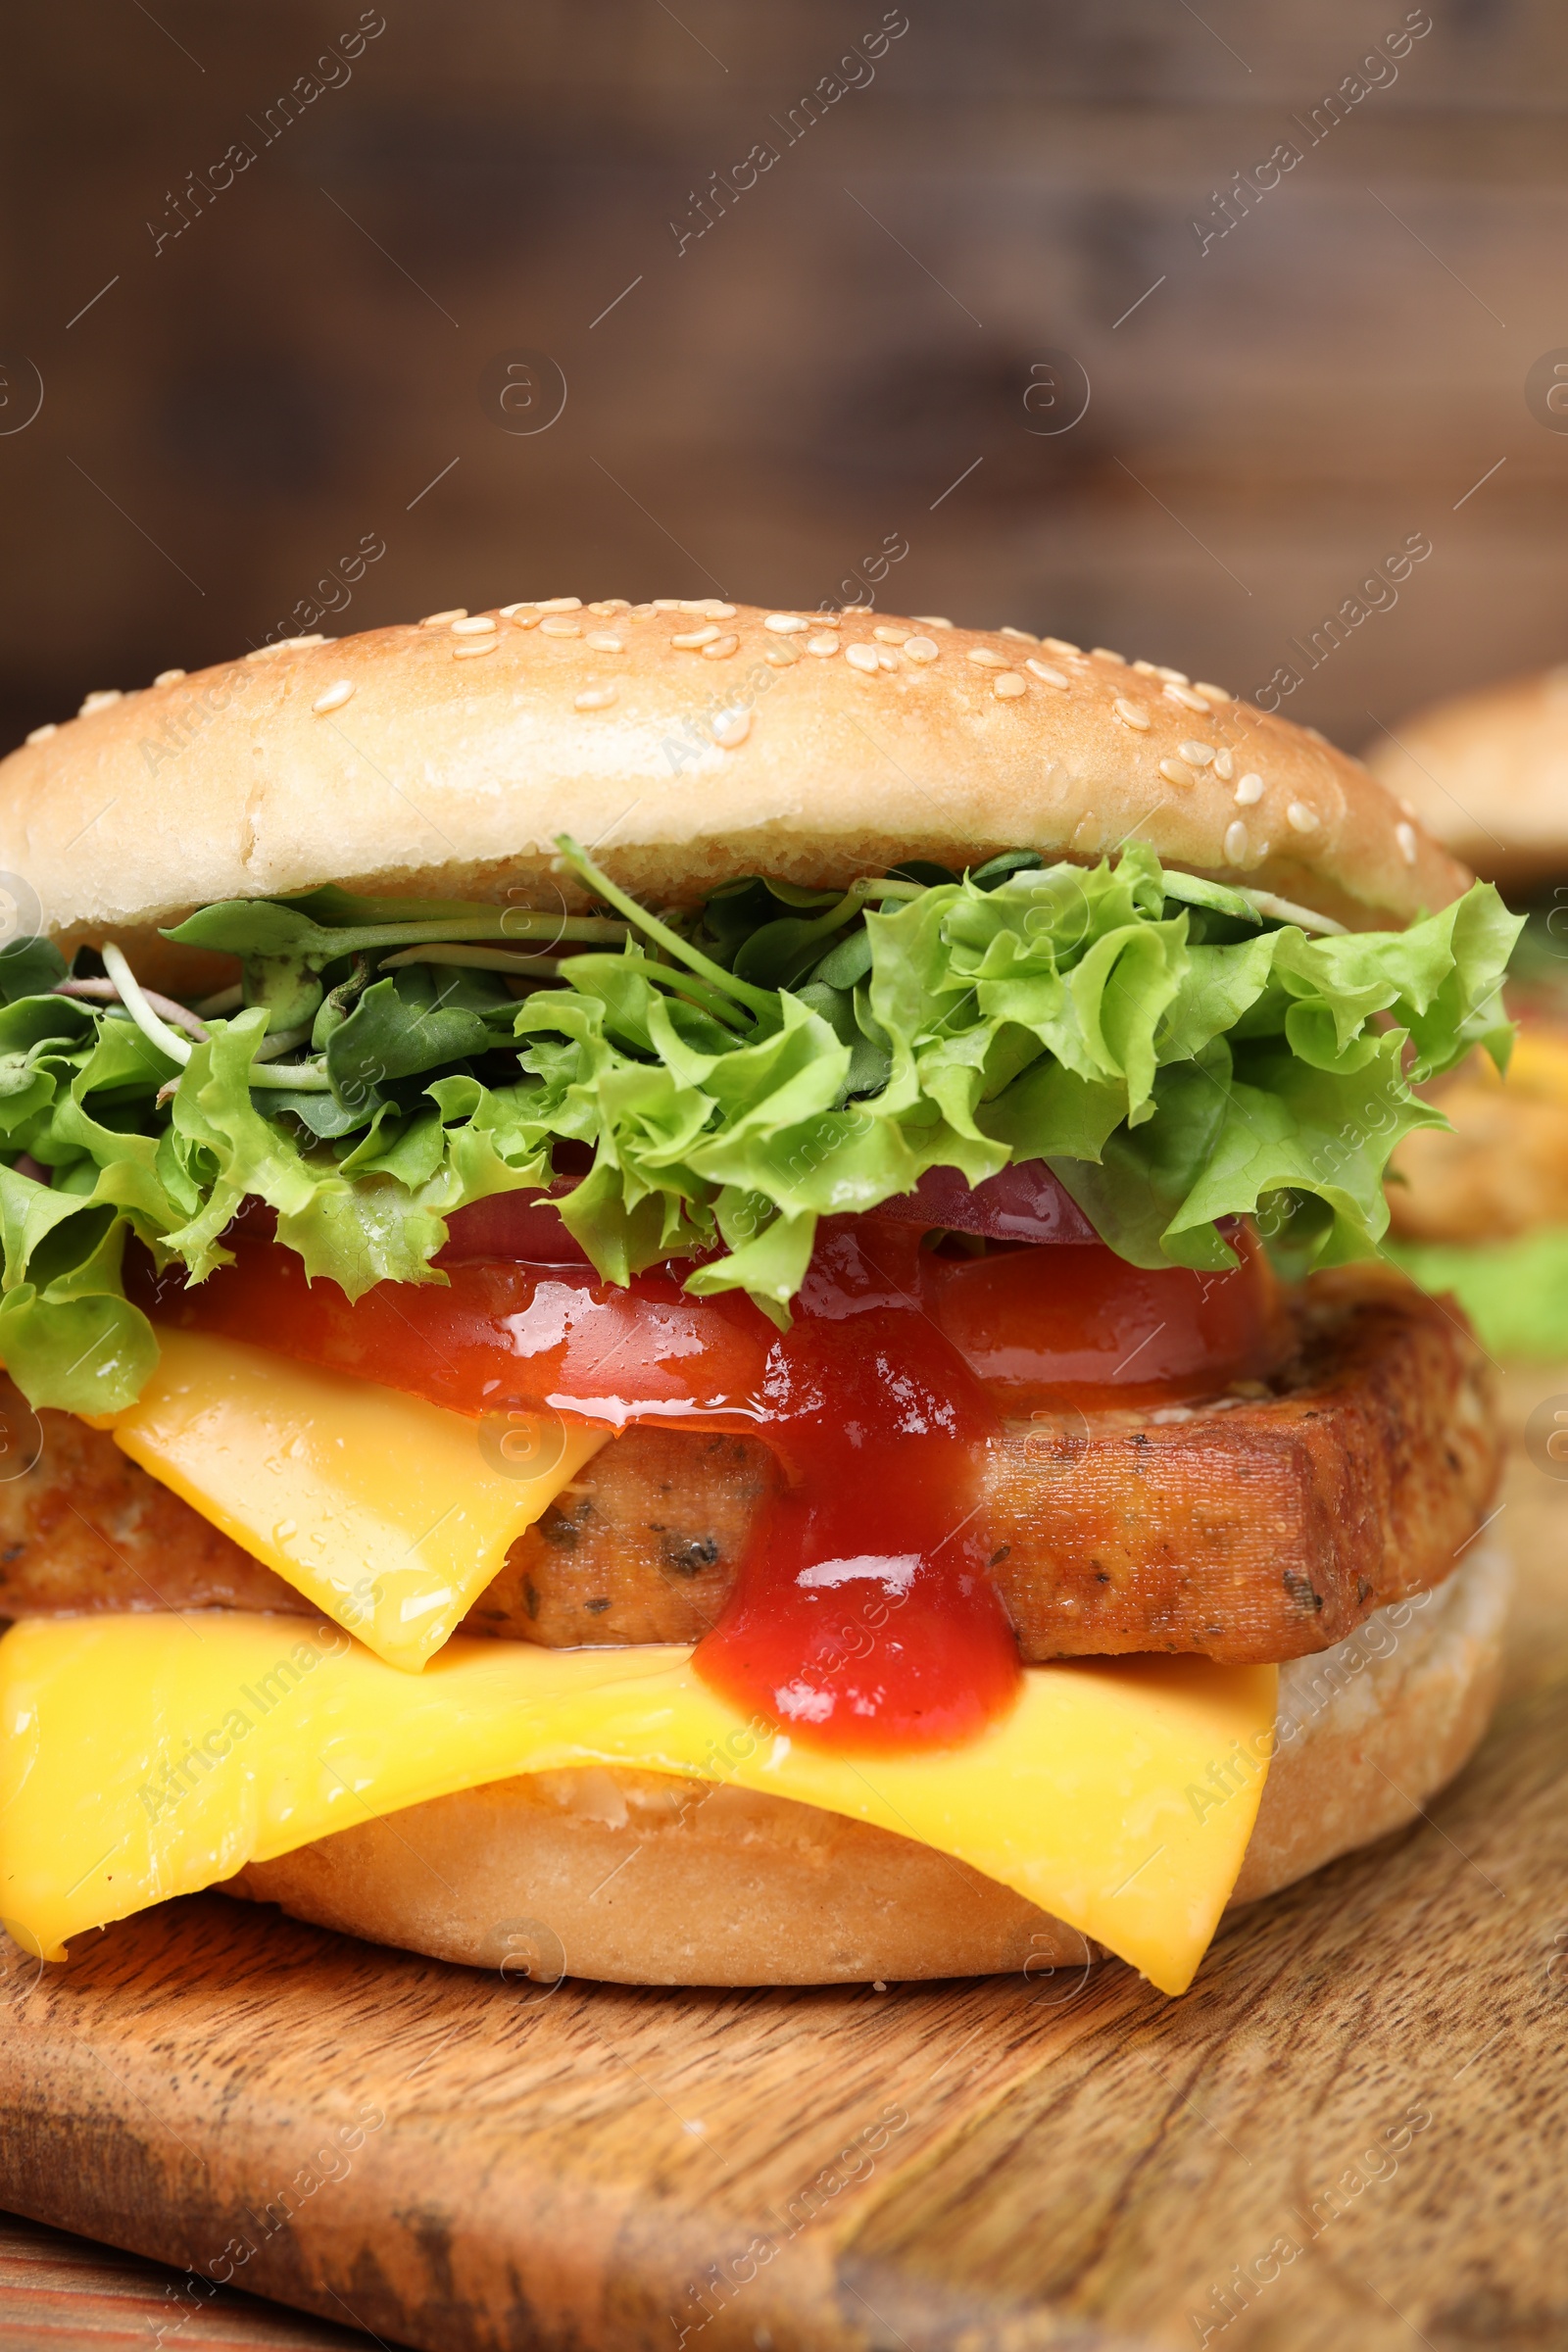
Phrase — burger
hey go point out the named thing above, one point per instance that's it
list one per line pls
(691, 1296)
(1479, 1207)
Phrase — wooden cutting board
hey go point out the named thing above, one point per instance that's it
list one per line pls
(1351, 2133)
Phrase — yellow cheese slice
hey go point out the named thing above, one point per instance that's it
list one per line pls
(148, 1756)
(389, 1514)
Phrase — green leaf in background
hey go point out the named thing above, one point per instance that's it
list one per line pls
(1515, 1291)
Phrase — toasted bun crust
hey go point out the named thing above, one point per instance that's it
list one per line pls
(440, 759)
(641, 1880)
(1488, 776)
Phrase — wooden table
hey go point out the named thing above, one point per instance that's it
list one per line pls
(60, 2294)
(1351, 2133)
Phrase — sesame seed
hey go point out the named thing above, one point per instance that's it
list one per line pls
(1146, 669)
(1212, 693)
(1172, 677)
(1302, 818)
(782, 655)
(523, 605)
(668, 603)
(986, 657)
(560, 624)
(721, 650)
(335, 697)
(889, 636)
(1184, 695)
(1103, 652)
(100, 699)
(168, 677)
(435, 621)
(1225, 764)
(468, 649)
(1236, 843)
(482, 625)
(604, 641)
(639, 612)
(1048, 676)
(730, 727)
(861, 656)
(785, 624)
(697, 605)
(1197, 755)
(1060, 645)
(43, 733)
(292, 644)
(690, 640)
(561, 604)
(1008, 686)
(1408, 807)
(886, 659)
(1249, 790)
(607, 604)
(825, 646)
(932, 620)
(1174, 772)
(718, 609)
(1130, 714)
(1027, 635)
(594, 698)
(1317, 736)
(1404, 835)
(922, 649)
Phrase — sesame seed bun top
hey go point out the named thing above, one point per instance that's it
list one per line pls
(685, 743)
(1486, 773)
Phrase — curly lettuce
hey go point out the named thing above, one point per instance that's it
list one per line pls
(1178, 1051)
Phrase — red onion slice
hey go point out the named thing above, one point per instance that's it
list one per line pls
(523, 1225)
(1023, 1203)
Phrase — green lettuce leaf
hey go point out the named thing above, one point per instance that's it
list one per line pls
(1178, 1053)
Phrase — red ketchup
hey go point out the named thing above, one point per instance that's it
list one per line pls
(864, 1617)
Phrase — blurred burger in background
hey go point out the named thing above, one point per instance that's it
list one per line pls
(1482, 1209)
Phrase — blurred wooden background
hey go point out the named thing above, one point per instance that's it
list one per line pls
(314, 362)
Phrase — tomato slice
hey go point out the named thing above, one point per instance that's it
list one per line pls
(496, 1333)
(1035, 1323)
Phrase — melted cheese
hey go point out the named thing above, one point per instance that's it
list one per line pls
(148, 1756)
(389, 1514)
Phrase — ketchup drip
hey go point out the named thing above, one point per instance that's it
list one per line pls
(864, 1617)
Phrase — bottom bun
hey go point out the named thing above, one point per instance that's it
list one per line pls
(640, 1878)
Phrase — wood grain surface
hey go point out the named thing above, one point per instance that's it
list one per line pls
(1349, 2132)
(60, 2294)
